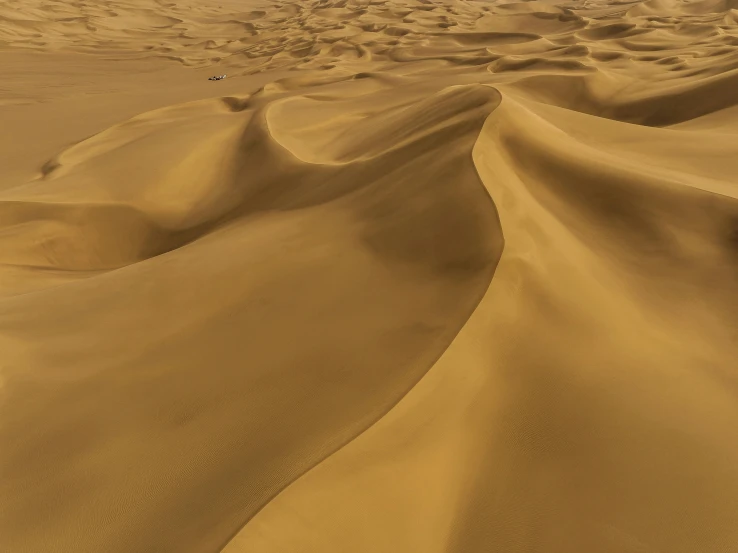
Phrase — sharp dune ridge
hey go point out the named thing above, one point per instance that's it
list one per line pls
(417, 276)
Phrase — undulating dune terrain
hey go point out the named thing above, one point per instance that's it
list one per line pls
(417, 277)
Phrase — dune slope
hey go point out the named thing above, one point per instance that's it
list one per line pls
(418, 276)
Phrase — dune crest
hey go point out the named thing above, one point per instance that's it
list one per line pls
(417, 276)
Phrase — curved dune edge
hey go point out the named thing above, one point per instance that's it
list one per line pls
(502, 438)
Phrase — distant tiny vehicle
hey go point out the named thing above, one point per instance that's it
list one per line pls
(217, 78)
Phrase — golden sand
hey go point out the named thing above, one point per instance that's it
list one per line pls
(416, 277)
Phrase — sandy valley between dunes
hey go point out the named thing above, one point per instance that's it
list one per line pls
(419, 276)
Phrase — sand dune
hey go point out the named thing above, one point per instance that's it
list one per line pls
(420, 276)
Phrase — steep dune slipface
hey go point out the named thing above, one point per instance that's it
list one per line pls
(463, 280)
(260, 290)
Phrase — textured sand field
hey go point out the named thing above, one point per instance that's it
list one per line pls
(417, 277)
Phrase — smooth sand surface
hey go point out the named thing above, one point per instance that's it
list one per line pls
(419, 276)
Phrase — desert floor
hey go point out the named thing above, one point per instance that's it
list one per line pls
(417, 277)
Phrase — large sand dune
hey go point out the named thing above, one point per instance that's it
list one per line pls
(418, 276)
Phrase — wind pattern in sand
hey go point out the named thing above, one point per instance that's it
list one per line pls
(419, 276)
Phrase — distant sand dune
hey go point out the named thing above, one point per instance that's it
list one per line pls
(418, 276)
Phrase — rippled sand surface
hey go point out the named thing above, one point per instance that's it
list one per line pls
(417, 276)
